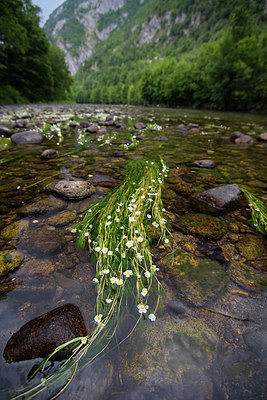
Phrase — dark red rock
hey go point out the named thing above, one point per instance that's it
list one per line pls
(40, 336)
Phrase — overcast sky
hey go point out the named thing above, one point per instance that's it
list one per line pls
(47, 7)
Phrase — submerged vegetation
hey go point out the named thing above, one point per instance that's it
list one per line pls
(116, 231)
(258, 211)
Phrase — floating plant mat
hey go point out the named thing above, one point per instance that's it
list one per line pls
(118, 230)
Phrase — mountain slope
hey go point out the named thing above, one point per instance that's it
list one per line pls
(114, 44)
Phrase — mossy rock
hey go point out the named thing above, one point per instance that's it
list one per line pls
(14, 230)
(153, 234)
(42, 206)
(203, 225)
(199, 279)
(61, 219)
(161, 353)
(251, 247)
(9, 261)
(169, 194)
(5, 143)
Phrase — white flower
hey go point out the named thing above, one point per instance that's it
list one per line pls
(98, 318)
(140, 239)
(138, 255)
(124, 237)
(142, 308)
(108, 301)
(110, 252)
(97, 249)
(104, 250)
(117, 219)
(155, 224)
(84, 340)
(109, 216)
(151, 200)
(119, 282)
(166, 241)
(123, 255)
(130, 208)
(118, 210)
(160, 181)
(89, 210)
(73, 230)
(86, 234)
(129, 243)
(147, 274)
(113, 280)
(144, 292)
(152, 162)
(143, 197)
(105, 271)
(131, 219)
(95, 280)
(152, 317)
(137, 212)
(122, 227)
(155, 268)
(136, 231)
(91, 226)
(148, 216)
(142, 189)
(117, 249)
(108, 223)
(257, 209)
(120, 204)
(128, 273)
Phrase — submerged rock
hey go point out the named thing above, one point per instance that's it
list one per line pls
(48, 154)
(9, 261)
(43, 206)
(161, 138)
(61, 219)
(197, 279)
(244, 139)
(73, 190)
(13, 231)
(43, 240)
(251, 246)
(40, 336)
(102, 180)
(218, 199)
(27, 137)
(160, 355)
(204, 164)
(203, 225)
(262, 137)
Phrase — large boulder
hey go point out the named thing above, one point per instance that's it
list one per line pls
(72, 190)
(27, 137)
(218, 199)
(40, 336)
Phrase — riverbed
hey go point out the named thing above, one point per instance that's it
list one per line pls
(209, 339)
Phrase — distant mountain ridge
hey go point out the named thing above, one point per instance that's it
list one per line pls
(78, 26)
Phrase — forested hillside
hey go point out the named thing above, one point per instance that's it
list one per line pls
(184, 53)
(31, 70)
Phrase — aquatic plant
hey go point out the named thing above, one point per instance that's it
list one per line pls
(258, 211)
(116, 232)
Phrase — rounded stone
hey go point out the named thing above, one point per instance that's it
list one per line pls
(203, 225)
(262, 137)
(139, 125)
(161, 138)
(27, 137)
(42, 240)
(218, 199)
(204, 164)
(48, 154)
(61, 219)
(40, 336)
(251, 246)
(73, 190)
(5, 131)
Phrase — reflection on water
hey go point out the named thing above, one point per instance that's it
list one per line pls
(209, 341)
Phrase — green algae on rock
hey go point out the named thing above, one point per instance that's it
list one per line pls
(203, 225)
(9, 261)
(199, 279)
(162, 353)
(42, 206)
(251, 247)
(14, 230)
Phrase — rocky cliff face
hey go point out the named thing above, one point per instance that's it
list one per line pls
(75, 27)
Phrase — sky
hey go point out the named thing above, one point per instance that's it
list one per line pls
(47, 7)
